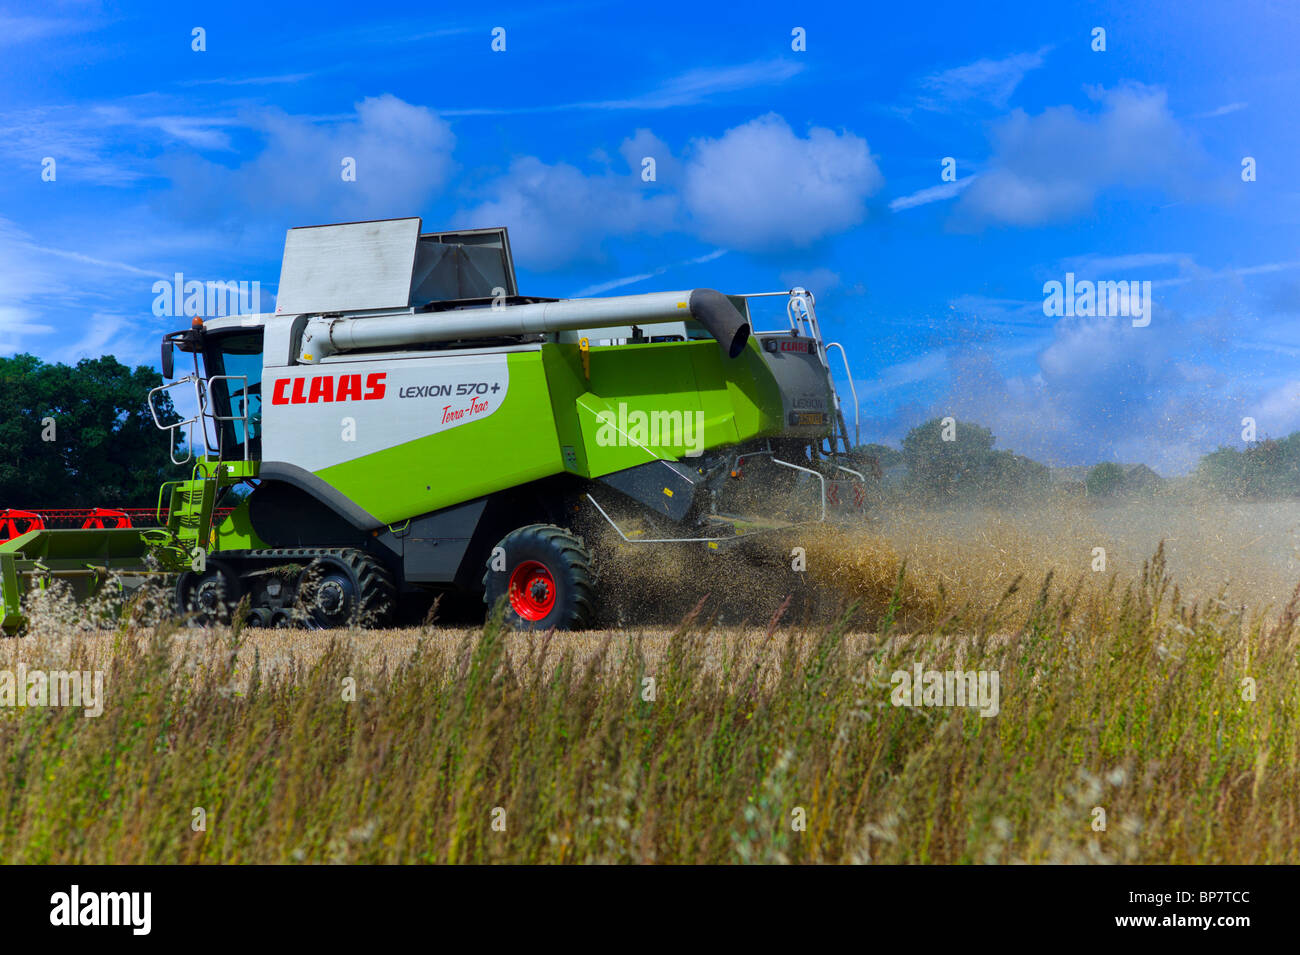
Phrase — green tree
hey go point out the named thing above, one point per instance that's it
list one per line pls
(1267, 468)
(883, 453)
(1104, 480)
(1008, 478)
(946, 470)
(80, 436)
(967, 468)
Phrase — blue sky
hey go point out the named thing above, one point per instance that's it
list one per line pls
(774, 167)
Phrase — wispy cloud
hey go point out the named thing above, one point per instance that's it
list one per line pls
(1266, 268)
(984, 81)
(16, 30)
(927, 366)
(1099, 264)
(91, 260)
(101, 143)
(947, 190)
(696, 85)
(602, 287)
(251, 80)
(686, 89)
(1221, 111)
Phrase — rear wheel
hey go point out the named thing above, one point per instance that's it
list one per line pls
(543, 573)
(346, 589)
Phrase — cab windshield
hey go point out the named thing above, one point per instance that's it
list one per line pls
(237, 399)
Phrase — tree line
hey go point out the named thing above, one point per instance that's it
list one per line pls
(959, 463)
(80, 435)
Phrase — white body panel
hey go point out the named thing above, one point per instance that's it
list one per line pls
(319, 416)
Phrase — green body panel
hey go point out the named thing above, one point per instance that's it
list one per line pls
(737, 398)
(515, 445)
(191, 505)
(80, 549)
(550, 423)
(236, 532)
(737, 401)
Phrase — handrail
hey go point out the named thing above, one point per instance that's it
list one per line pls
(217, 419)
(857, 413)
(175, 426)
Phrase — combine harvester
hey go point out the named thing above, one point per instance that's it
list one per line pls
(406, 422)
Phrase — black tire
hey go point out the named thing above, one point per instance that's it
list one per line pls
(550, 570)
(346, 589)
(209, 598)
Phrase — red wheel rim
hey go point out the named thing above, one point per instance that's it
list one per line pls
(532, 590)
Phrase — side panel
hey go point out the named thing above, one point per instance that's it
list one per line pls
(334, 268)
(422, 434)
(641, 403)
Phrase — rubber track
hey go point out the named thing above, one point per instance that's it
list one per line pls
(377, 594)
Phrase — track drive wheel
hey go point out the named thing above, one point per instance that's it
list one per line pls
(209, 598)
(345, 589)
(544, 574)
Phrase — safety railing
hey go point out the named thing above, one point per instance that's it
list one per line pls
(203, 402)
(187, 423)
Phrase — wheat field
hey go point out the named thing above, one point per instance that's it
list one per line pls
(1147, 713)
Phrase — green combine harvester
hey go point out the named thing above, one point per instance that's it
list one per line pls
(406, 423)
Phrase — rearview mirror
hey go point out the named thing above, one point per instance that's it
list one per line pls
(167, 362)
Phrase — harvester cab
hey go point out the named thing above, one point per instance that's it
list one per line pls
(406, 423)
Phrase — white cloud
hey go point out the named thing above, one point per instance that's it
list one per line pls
(105, 333)
(1053, 166)
(1102, 389)
(271, 80)
(402, 153)
(557, 215)
(25, 278)
(819, 281)
(761, 186)
(54, 300)
(643, 143)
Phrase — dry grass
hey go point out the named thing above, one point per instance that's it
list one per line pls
(1118, 692)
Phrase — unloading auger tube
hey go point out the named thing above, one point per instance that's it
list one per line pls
(324, 336)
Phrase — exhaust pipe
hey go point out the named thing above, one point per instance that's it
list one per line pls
(329, 336)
